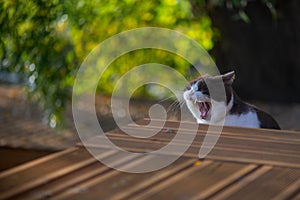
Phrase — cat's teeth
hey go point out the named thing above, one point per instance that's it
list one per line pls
(195, 101)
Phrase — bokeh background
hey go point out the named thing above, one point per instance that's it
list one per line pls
(43, 43)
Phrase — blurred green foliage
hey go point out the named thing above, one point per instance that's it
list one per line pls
(45, 41)
(239, 6)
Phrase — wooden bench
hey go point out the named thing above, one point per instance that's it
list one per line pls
(244, 164)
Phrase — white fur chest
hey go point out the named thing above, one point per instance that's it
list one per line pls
(249, 119)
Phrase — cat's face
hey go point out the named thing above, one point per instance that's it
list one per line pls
(197, 98)
(197, 95)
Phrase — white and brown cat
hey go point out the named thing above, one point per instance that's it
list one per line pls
(238, 112)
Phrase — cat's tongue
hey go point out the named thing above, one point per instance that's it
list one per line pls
(203, 108)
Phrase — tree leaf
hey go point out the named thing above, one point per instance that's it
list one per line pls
(244, 16)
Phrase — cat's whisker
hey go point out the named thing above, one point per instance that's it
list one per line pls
(165, 99)
(182, 103)
(173, 106)
(176, 106)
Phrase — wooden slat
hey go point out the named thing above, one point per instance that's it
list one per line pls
(293, 139)
(63, 183)
(86, 173)
(224, 194)
(120, 185)
(27, 174)
(269, 185)
(227, 130)
(236, 176)
(47, 171)
(224, 140)
(296, 197)
(289, 191)
(155, 177)
(150, 145)
(227, 149)
(197, 183)
(84, 187)
(260, 146)
(35, 162)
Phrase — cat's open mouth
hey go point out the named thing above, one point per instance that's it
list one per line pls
(204, 107)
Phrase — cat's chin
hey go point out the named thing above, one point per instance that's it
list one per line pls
(204, 108)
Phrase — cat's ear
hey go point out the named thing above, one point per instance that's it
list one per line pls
(229, 77)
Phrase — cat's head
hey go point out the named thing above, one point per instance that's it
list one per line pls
(197, 95)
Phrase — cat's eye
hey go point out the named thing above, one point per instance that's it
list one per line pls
(201, 85)
(205, 92)
(203, 88)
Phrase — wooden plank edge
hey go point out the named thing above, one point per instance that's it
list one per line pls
(166, 182)
(253, 135)
(227, 192)
(292, 190)
(290, 153)
(36, 162)
(196, 142)
(153, 180)
(51, 176)
(226, 181)
(59, 188)
(226, 127)
(221, 158)
(126, 161)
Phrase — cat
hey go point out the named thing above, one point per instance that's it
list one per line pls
(238, 112)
